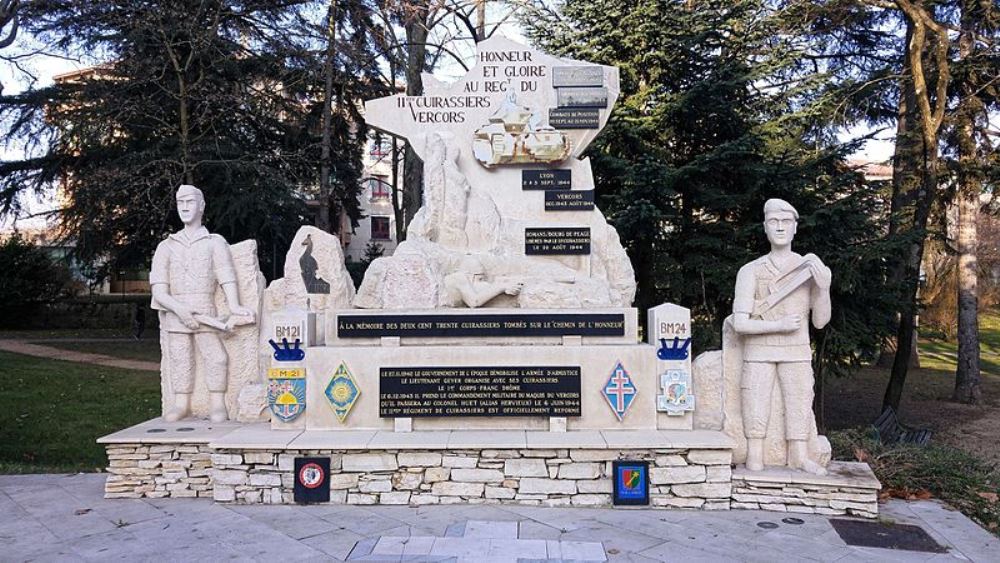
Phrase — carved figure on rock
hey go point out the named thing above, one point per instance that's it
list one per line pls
(775, 296)
(468, 286)
(187, 268)
(309, 265)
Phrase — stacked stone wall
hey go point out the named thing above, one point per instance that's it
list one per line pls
(158, 470)
(804, 498)
(557, 477)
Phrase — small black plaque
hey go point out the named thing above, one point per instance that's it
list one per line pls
(575, 200)
(312, 479)
(551, 241)
(563, 76)
(631, 482)
(575, 118)
(894, 536)
(582, 97)
(479, 325)
(556, 179)
(479, 391)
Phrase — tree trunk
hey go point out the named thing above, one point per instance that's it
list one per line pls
(416, 60)
(323, 221)
(397, 202)
(906, 177)
(967, 376)
(932, 108)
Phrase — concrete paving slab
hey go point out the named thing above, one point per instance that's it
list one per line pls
(65, 518)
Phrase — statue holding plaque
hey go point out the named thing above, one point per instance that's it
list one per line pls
(187, 269)
(775, 297)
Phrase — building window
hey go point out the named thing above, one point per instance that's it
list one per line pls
(380, 228)
(378, 188)
(381, 148)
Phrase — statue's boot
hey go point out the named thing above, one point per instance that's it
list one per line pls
(755, 454)
(181, 409)
(798, 458)
(218, 412)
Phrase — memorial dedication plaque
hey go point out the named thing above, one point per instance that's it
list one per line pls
(480, 325)
(582, 97)
(557, 241)
(569, 76)
(576, 200)
(575, 118)
(558, 179)
(479, 391)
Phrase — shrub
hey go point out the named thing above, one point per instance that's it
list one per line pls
(906, 471)
(28, 279)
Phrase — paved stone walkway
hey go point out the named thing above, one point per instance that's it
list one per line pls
(66, 518)
(42, 351)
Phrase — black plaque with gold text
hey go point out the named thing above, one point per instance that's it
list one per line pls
(479, 391)
(480, 325)
(549, 241)
(546, 179)
(575, 118)
(575, 200)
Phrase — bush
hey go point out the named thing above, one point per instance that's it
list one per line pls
(28, 280)
(906, 471)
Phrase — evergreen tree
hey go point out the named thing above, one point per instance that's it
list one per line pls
(212, 93)
(717, 114)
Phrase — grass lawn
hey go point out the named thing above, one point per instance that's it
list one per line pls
(941, 354)
(148, 349)
(51, 412)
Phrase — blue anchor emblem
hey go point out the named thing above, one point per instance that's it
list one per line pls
(676, 352)
(285, 353)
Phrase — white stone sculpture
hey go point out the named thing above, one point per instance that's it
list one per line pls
(775, 296)
(188, 268)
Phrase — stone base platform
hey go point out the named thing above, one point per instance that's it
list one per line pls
(250, 464)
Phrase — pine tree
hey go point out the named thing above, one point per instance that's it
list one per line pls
(717, 114)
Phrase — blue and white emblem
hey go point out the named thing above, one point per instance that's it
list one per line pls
(619, 391)
(286, 392)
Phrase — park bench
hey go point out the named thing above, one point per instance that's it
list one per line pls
(888, 430)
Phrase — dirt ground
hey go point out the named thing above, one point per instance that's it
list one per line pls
(856, 401)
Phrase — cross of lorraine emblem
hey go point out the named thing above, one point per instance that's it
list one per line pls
(619, 391)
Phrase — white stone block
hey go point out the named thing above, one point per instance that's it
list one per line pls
(703, 490)
(450, 489)
(435, 474)
(675, 502)
(596, 486)
(718, 473)
(400, 497)
(591, 500)
(227, 459)
(375, 486)
(343, 480)
(286, 462)
(525, 468)
(499, 493)
(223, 493)
(419, 459)
(420, 500)
(369, 462)
(710, 457)
(229, 477)
(476, 475)
(593, 455)
(407, 481)
(354, 498)
(459, 461)
(259, 458)
(671, 460)
(579, 471)
(265, 480)
(533, 485)
(671, 475)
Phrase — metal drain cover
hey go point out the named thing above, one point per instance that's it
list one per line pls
(896, 536)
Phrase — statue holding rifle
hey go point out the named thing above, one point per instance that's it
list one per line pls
(187, 269)
(775, 297)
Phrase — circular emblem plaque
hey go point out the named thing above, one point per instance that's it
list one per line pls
(311, 475)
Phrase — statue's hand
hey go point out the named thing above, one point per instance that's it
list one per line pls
(791, 323)
(241, 311)
(820, 273)
(186, 316)
(514, 288)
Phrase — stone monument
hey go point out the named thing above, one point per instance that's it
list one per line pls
(189, 267)
(495, 356)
